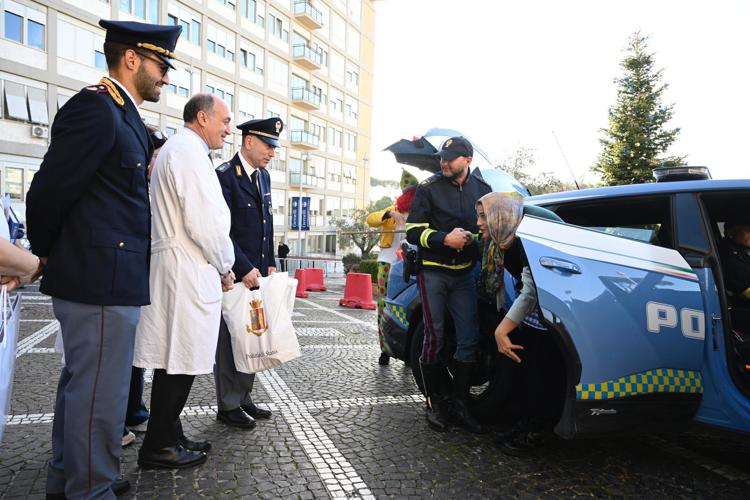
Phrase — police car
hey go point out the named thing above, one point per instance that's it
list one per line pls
(632, 288)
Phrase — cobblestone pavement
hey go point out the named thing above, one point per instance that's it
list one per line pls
(344, 427)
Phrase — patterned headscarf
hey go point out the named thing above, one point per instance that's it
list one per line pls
(503, 212)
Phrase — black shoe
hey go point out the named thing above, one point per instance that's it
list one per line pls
(236, 418)
(464, 419)
(120, 486)
(384, 359)
(191, 445)
(256, 412)
(55, 496)
(437, 418)
(524, 444)
(171, 457)
(462, 373)
(438, 414)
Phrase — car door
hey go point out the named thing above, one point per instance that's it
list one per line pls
(629, 319)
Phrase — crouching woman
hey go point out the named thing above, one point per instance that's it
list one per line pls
(538, 385)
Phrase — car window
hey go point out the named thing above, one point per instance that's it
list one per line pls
(645, 234)
(646, 219)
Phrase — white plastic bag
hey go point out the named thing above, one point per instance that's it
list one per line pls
(260, 323)
(10, 309)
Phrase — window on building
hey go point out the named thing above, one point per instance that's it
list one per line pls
(190, 22)
(355, 10)
(249, 11)
(62, 99)
(80, 45)
(350, 141)
(220, 43)
(276, 28)
(352, 77)
(13, 27)
(15, 101)
(24, 24)
(14, 183)
(335, 137)
(352, 109)
(330, 243)
(37, 99)
(338, 30)
(250, 106)
(147, 10)
(232, 4)
(99, 60)
(170, 131)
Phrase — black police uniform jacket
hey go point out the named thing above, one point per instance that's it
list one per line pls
(439, 206)
(87, 209)
(252, 217)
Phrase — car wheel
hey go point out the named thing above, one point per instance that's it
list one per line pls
(490, 401)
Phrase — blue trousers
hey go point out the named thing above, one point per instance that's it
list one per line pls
(456, 293)
(92, 396)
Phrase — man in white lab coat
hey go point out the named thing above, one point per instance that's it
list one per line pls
(191, 261)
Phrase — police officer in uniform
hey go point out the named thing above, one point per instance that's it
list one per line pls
(246, 185)
(88, 215)
(442, 223)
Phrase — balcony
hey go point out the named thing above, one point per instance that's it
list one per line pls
(298, 179)
(305, 98)
(306, 57)
(304, 139)
(307, 15)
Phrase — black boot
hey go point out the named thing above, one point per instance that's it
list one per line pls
(437, 404)
(461, 384)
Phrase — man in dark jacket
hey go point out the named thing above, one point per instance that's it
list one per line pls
(246, 185)
(88, 216)
(282, 251)
(442, 223)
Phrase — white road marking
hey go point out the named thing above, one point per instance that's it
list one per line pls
(193, 411)
(318, 332)
(29, 342)
(337, 474)
(342, 347)
(350, 319)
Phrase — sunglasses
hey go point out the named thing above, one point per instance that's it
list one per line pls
(162, 67)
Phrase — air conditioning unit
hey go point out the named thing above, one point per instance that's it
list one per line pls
(39, 131)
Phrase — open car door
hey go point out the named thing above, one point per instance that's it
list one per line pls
(629, 319)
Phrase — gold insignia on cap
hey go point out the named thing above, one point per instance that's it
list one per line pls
(157, 49)
(278, 126)
(113, 92)
(447, 143)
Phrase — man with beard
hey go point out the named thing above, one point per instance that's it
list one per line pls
(191, 250)
(442, 222)
(246, 185)
(88, 214)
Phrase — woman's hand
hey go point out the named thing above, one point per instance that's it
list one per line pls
(504, 345)
(398, 217)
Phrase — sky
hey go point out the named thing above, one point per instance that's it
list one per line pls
(512, 74)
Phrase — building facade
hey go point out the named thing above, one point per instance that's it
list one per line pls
(308, 62)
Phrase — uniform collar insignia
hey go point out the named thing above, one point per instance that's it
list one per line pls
(113, 92)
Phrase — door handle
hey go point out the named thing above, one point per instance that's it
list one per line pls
(560, 265)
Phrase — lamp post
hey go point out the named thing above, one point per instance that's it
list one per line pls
(305, 158)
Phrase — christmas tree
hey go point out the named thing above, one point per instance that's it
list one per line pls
(637, 133)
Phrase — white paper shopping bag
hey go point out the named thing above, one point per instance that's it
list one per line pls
(10, 309)
(260, 323)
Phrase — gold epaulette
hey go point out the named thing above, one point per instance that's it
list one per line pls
(113, 92)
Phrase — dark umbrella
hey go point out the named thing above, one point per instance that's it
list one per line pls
(420, 152)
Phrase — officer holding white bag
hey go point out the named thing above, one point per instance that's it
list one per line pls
(246, 185)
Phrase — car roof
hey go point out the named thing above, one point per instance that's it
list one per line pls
(639, 190)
